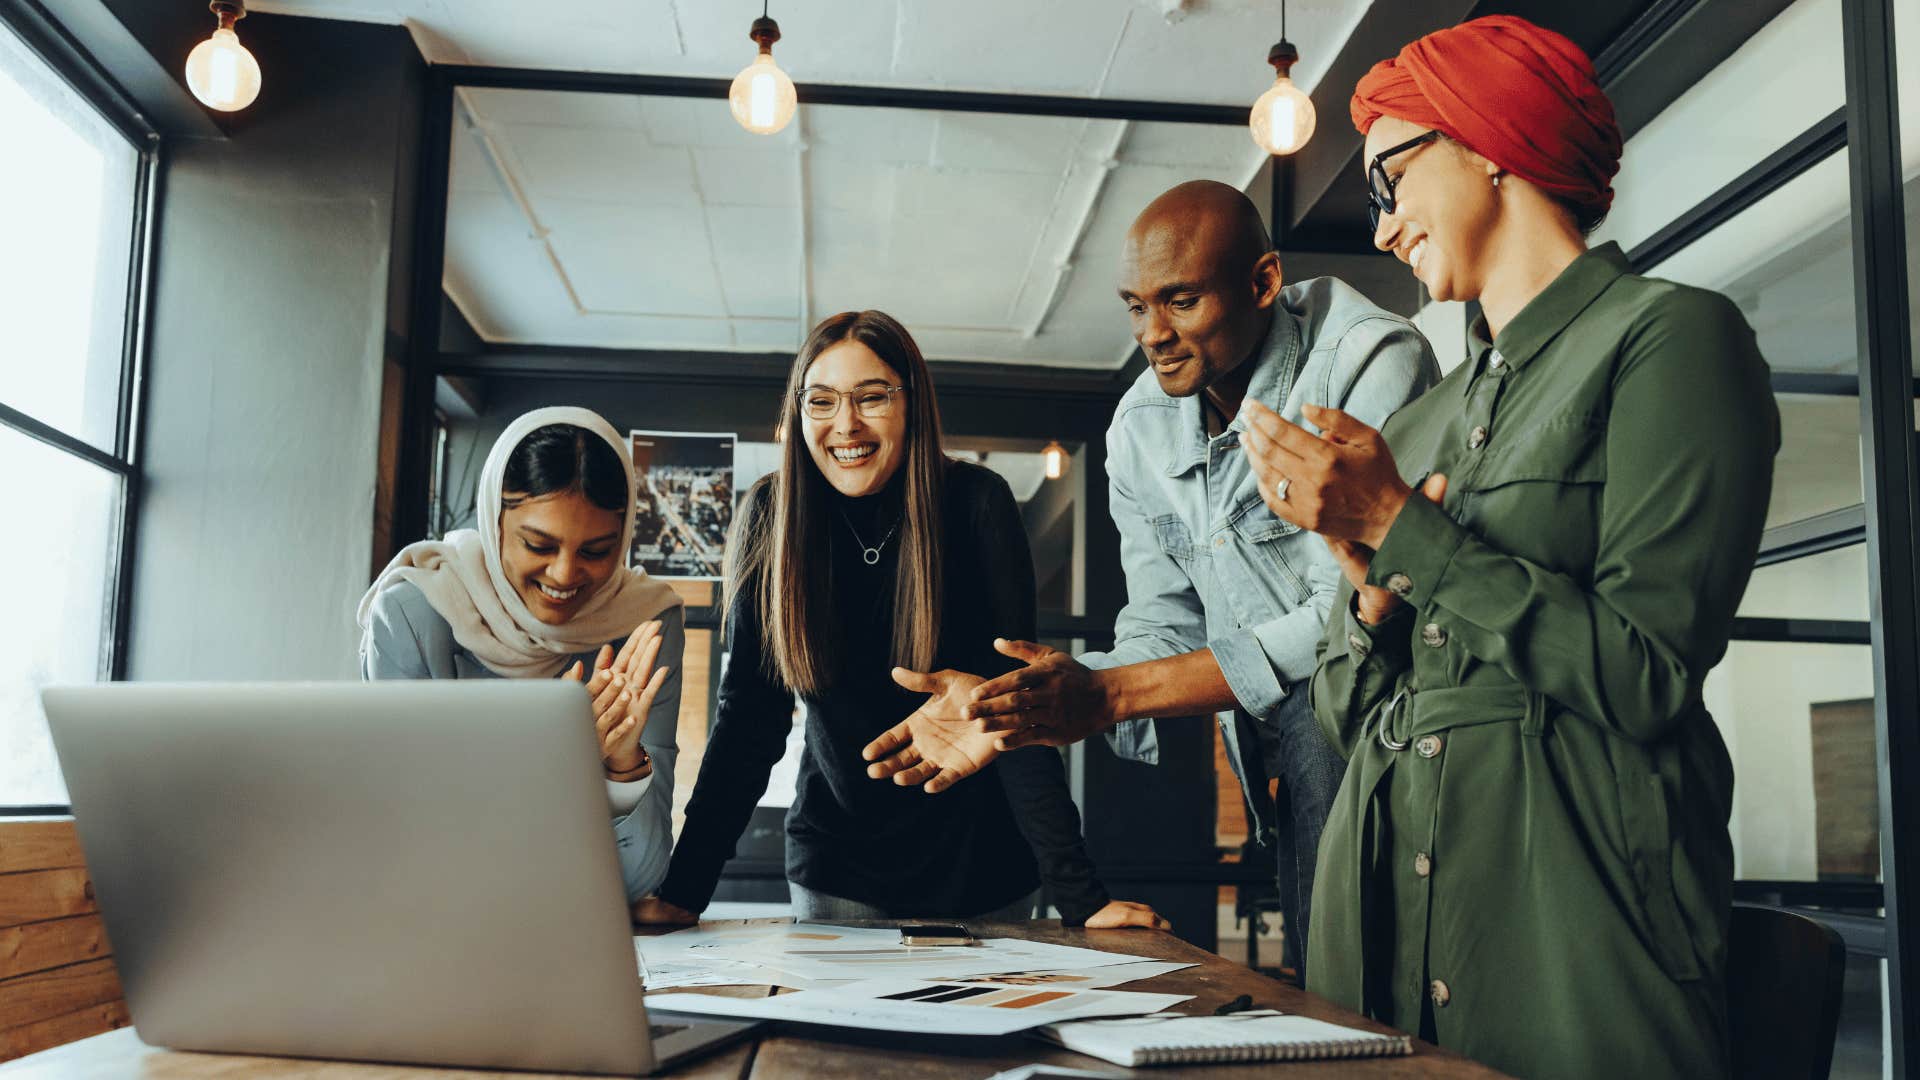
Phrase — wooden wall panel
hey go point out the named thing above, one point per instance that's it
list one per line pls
(57, 981)
(38, 845)
(60, 1030)
(36, 895)
(42, 945)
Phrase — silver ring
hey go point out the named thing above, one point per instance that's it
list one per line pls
(1280, 489)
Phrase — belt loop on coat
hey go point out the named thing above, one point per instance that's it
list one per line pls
(1534, 723)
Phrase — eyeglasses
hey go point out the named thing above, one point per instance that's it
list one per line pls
(1380, 186)
(872, 402)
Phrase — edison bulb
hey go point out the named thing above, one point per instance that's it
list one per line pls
(762, 96)
(1055, 456)
(222, 73)
(1282, 119)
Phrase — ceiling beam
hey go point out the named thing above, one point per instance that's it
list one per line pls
(885, 97)
(768, 369)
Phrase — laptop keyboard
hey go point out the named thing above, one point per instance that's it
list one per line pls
(661, 1031)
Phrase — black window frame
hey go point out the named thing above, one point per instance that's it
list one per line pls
(48, 41)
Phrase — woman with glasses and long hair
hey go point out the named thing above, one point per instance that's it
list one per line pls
(1528, 860)
(870, 551)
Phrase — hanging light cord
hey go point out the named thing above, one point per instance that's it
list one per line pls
(1283, 20)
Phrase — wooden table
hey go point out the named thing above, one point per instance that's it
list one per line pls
(822, 1054)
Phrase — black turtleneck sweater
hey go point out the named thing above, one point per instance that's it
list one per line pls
(976, 847)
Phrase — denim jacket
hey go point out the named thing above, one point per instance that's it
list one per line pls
(1207, 564)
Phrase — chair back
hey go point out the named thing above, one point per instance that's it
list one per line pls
(1784, 973)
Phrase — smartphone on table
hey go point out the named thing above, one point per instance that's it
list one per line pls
(934, 934)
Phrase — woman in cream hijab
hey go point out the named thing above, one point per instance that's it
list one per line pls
(540, 589)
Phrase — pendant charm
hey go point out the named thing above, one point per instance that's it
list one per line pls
(872, 555)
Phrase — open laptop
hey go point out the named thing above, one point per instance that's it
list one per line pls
(418, 872)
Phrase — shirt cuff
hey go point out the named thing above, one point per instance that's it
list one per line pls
(623, 797)
(1135, 740)
(1249, 672)
(1414, 557)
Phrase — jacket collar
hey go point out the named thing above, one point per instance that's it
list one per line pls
(1276, 362)
(1562, 301)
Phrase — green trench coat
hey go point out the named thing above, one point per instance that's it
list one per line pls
(1528, 859)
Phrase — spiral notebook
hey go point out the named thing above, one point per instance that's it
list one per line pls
(1258, 1035)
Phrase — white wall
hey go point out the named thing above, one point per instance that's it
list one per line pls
(271, 323)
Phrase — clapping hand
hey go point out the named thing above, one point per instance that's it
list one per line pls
(937, 746)
(1342, 483)
(1376, 604)
(623, 688)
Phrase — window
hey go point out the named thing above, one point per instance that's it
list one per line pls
(66, 377)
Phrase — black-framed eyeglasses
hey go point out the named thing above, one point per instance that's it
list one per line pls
(871, 401)
(1380, 186)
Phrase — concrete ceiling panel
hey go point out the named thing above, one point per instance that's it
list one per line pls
(555, 108)
(1061, 47)
(748, 177)
(576, 165)
(999, 143)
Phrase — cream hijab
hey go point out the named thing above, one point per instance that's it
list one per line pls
(465, 581)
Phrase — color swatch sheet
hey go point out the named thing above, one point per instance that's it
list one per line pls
(817, 956)
(924, 1007)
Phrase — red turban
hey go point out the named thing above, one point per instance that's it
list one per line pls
(1520, 96)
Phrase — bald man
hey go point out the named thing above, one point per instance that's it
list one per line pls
(1225, 601)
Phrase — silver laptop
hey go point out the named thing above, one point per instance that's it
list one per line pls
(418, 872)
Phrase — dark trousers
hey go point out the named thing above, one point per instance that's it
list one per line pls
(1293, 751)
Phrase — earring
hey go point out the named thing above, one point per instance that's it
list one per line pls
(1496, 180)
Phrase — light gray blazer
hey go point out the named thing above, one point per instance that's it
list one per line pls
(410, 640)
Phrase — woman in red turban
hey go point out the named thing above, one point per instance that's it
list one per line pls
(1528, 860)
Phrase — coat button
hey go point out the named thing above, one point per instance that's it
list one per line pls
(1423, 864)
(1440, 994)
(1357, 645)
(1476, 438)
(1428, 746)
(1433, 635)
(1399, 585)
(1495, 360)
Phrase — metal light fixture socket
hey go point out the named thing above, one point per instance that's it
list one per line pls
(762, 96)
(1056, 458)
(220, 70)
(1282, 118)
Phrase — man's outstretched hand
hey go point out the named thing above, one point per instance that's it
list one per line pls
(937, 746)
(1053, 701)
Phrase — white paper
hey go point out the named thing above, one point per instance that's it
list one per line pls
(850, 957)
(1036, 1072)
(1082, 978)
(921, 1007)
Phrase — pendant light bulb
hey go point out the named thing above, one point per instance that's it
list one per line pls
(220, 70)
(762, 96)
(1055, 457)
(1282, 118)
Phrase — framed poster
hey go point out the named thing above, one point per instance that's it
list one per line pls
(683, 502)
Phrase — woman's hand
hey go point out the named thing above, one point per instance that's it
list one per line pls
(1342, 484)
(624, 687)
(1125, 914)
(937, 746)
(653, 911)
(1375, 604)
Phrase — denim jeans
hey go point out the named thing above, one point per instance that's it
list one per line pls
(1296, 753)
(810, 906)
